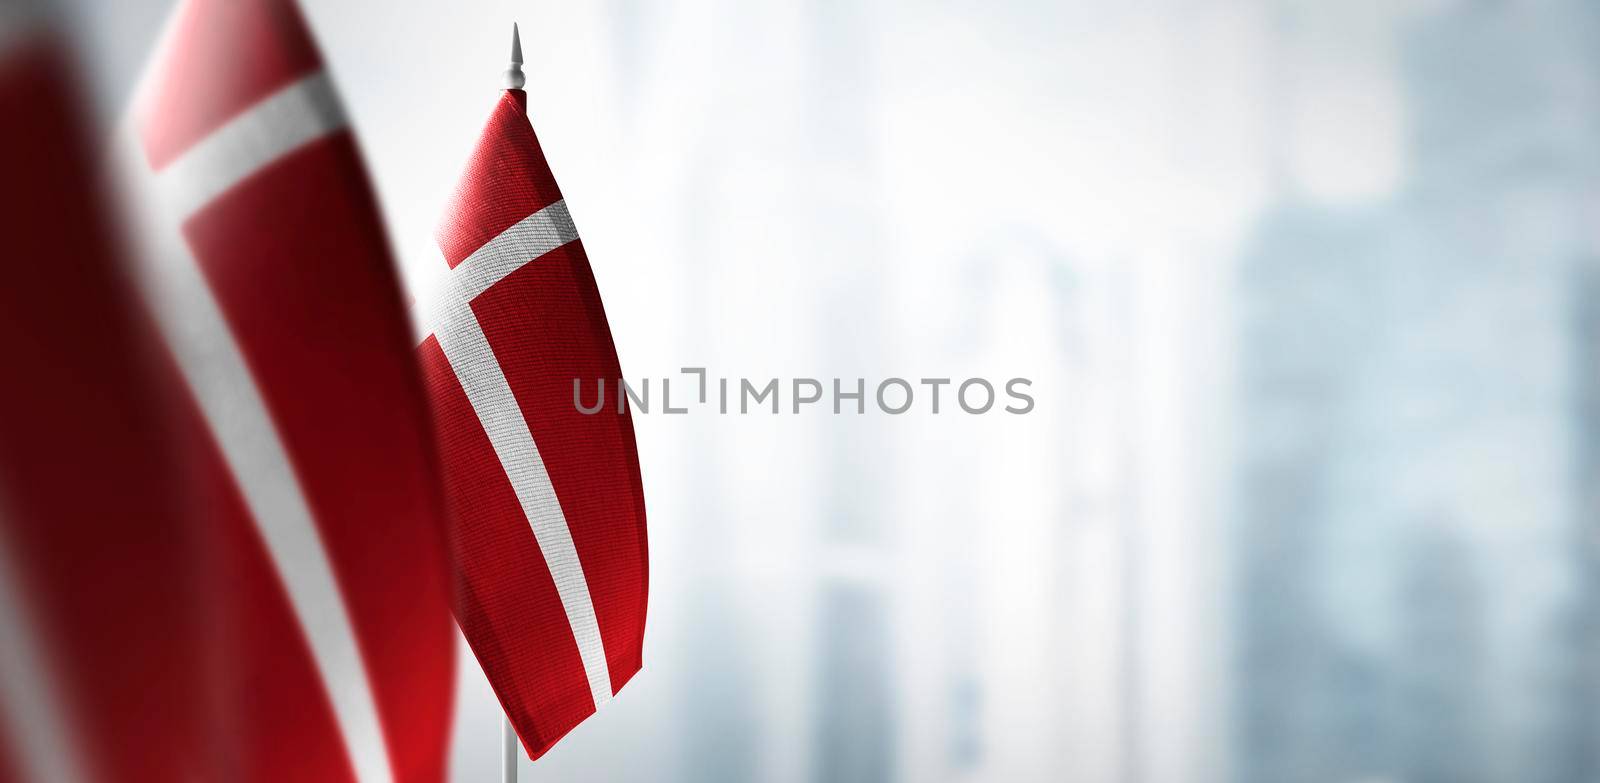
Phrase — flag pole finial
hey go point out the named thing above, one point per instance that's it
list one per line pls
(514, 77)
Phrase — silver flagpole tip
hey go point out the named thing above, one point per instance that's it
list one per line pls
(514, 77)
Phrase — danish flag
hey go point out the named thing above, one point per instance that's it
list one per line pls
(227, 542)
(271, 283)
(545, 503)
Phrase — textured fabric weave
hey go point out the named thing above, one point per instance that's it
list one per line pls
(329, 632)
(546, 504)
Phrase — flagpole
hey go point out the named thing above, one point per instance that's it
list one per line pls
(508, 751)
(514, 80)
(514, 77)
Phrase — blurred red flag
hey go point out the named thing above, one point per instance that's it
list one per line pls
(329, 643)
(546, 503)
(100, 625)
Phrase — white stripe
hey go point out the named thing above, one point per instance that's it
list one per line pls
(529, 239)
(281, 123)
(467, 350)
(198, 333)
(29, 711)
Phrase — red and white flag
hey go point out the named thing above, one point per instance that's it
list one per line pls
(270, 279)
(545, 503)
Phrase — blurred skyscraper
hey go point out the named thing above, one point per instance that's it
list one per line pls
(1577, 683)
(1304, 690)
(855, 725)
(1416, 444)
(1034, 670)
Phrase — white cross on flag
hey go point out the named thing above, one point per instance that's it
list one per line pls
(270, 278)
(546, 505)
(227, 541)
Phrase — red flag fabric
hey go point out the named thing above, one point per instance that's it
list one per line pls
(329, 644)
(546, 505)
(100, 624)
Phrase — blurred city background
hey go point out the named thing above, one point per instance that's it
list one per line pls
(1309, 292)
